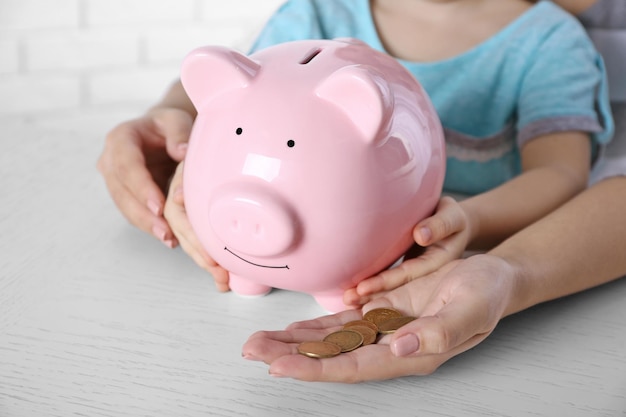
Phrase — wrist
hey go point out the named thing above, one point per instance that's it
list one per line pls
(505, 280)
(521, 274)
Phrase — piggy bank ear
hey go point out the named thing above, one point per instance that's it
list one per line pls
(210, 71)
(360, 93)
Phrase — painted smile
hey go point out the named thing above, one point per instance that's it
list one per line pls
(252, 263)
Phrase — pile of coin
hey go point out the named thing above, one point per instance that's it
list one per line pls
(356, 333)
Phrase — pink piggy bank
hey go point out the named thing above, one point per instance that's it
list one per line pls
(309, 164)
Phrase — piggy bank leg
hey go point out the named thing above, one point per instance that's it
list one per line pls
(247, 288)
(332, 301)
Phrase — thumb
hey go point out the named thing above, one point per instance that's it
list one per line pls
(175, 126)
(456, 324)
(448, 219)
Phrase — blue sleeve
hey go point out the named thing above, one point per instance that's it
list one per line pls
(565, 88)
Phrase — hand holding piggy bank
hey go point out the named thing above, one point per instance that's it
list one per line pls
(309, 164)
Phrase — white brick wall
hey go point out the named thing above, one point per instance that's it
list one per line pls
(70, 54)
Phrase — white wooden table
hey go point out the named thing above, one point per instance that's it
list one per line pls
(98, 319)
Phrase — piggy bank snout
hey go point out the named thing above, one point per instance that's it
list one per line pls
(252, 221)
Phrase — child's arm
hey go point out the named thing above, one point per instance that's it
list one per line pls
(555, 168)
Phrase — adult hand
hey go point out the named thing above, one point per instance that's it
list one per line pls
(176, 216)
(138, 159)
(444, 235)
(457, 307)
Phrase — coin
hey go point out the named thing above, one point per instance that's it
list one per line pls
(391, 325)
(365, 323)
(347, 339)
(356, 333)
(319, 349)
(378, 315)
(369, 335)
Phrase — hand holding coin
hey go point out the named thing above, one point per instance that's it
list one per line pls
(356, 333)
(456, 308)
(330, 348)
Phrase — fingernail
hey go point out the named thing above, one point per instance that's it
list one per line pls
(169, 243)
(154, 207)
(159, 232)
(276, 375)
(182, 147)
(426, 234)
(249, 356)
(405, 345)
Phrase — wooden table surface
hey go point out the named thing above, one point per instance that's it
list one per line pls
(98, 319)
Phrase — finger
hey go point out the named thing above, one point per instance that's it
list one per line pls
(221, 277)
(447, 220)
(138, 214)
(407, 271)
(456, 322)
(193, 248)
(352, 298)
(129, 170)
(264, 348)
(177, 217)
(350, 367)
(412, 298)
(373, 285)
(123, 164)
(132, 173)
(175, 126)
(368, 363)
(280, 349)
(181, 228)
(267, 346)
(135, 212)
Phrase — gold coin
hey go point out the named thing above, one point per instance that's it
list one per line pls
(365, 323)
(378, 315)
(391, 325)
(347, 339)
(319, 349)
(369, 335)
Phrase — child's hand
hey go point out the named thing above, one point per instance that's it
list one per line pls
(138, 159)
(445, 235)
(177, 217)
(457, 307)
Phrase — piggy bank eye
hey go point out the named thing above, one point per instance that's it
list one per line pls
(291, 143)
(239, 131)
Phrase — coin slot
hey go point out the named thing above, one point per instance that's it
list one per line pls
(310, 55)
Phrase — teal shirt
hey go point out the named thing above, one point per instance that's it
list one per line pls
(540, 74)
